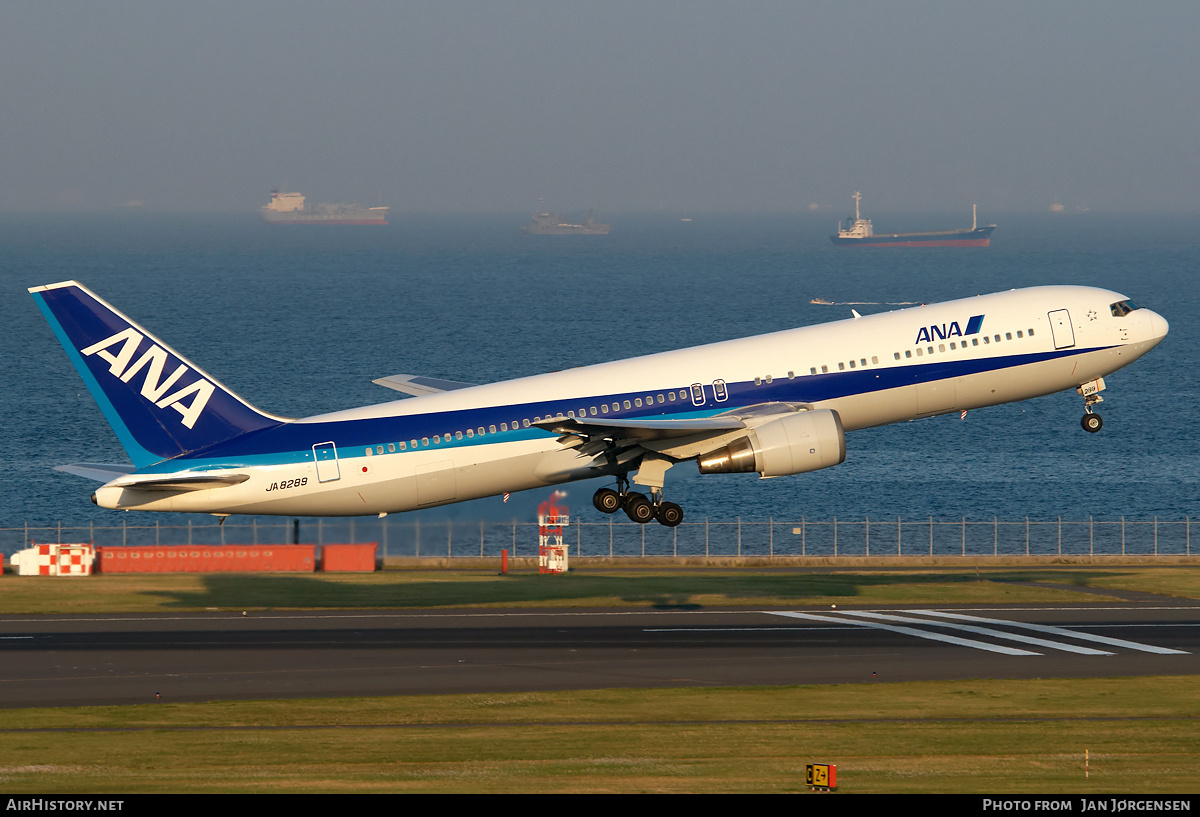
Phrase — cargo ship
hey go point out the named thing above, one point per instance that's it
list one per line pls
(553, 224)
(289, 208)
(859, 232)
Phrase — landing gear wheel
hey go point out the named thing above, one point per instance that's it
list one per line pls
(669, 514)
(607, 500)
(1092, 422)
(638, 508)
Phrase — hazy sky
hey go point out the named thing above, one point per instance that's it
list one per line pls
(708, 105)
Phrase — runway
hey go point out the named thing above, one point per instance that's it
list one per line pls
(125, 659)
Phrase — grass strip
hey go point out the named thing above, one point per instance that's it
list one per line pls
(980, 736)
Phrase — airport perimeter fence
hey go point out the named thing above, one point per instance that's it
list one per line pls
(617, 537)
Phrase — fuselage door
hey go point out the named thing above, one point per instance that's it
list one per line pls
(1060, 328)
(325, 456)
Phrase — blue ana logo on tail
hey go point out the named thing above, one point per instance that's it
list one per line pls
(153, 363)
(927, 334)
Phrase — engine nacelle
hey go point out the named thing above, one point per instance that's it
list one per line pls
(806, 441)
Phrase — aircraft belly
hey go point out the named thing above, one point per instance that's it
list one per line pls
(1031, 380)
(937, 396)
(875, 408)
(978, 390)
(564, 465)
(372, 485)
(437, 483)
(445, 482)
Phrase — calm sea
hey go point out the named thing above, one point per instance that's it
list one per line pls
(300, 320)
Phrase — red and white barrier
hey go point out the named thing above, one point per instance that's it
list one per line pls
(55, 560)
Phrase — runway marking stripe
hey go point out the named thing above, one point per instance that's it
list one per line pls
(718, 630)
(1059, 631)
(1038, 642)
(962, 642)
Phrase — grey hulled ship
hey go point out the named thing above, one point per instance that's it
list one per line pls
(859, 232)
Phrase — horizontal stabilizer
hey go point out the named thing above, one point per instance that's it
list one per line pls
(99, 471)
(419, 386)
(184, 482)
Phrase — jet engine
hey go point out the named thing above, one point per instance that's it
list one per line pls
(806, 441)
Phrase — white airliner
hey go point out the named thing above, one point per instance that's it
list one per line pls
(775, 404)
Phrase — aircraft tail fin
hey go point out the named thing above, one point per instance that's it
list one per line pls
(159, 403)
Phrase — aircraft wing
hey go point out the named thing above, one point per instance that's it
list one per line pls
(419, 386)
(640, 430)
(623, 440)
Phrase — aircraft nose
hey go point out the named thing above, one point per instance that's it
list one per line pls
(1158, 326)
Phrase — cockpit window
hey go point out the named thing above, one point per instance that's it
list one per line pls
(1122, 308)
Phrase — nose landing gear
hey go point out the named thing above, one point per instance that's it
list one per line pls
(637, 506)
(1091, 421)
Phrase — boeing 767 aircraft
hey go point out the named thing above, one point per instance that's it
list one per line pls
(775, 404)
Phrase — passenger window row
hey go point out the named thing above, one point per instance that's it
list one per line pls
(471, 433)
(921, 351)
(941, 347)
(861, 363)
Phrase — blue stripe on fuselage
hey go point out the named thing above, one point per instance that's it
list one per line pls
(292, 442)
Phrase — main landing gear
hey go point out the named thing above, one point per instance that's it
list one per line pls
(638, 507)
(1091, 421)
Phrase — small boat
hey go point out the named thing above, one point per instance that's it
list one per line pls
(554, 224)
